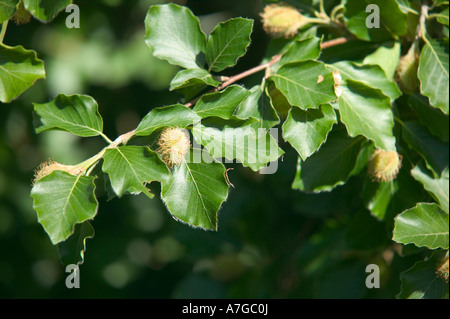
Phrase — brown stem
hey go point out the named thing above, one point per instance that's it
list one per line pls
(262, 67)
(124, 138)
(239, 76)
(334, 42)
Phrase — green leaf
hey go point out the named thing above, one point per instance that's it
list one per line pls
(307, 130)
(425, 225)
(377, 197)
(169, 116)
(195, 192)
(387, 200)
(421, 282)
(436, 121)
(131, 167)
(174, 34)
(61, 201)
(300, 51)
(71, 251)
(393, 22)
(222, 104)
(437, 187)
(237, 139)
(433, 74)
(433, 151)
(305, 84)
(192, 77)
(227, 43)
(371, 75)
(442, 18)
(259, 107)
(331, 166)
(19, 69)
(77, 114)
(387, 57)
(367, 111)
(45, 10)
(7, 9)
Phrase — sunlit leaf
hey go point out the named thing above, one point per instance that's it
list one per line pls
(131, 167)
(425, 225)
(238, 139)
(174, 34)
(367, 111)
(77, 114)
(433, 74)
(222, 104)
(19, 69)
(61, 201)
(7, 9)
(169, 116)
(437, 187)
(305, 84)
(307, 130)
(227, 43)
(195, 192)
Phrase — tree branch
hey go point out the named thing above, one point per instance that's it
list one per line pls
(265, 66)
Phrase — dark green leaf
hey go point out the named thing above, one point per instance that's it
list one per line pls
(77, 114)
(19, 69)
(131, 167)
(377, 197)
(174, 34)
(433, 151)
(421, 281)
(71, 251)
(436, 121)
(227, 43)
(61, 201)
(442, 18)
(331, 166)
(393, 22)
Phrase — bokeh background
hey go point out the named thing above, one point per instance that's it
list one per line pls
(273, 242)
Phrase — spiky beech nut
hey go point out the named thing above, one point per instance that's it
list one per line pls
(383, 166)
(282, 20)
(174, 144)
(442, 270)
(22, 16)
(50, 166)
(407, 70)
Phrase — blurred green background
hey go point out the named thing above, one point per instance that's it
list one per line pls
(272, 242)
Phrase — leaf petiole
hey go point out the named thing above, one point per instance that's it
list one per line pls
(3, 30)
